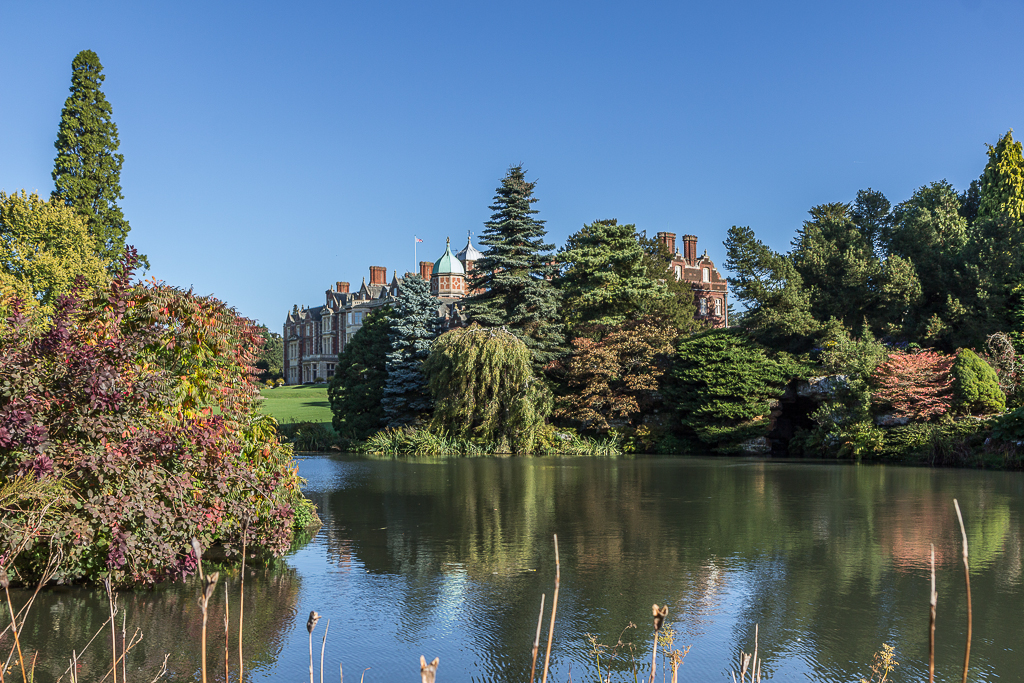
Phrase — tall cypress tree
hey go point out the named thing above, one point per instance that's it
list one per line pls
(414, 327)
(1002, 183)
(516, 270)
(87, 170)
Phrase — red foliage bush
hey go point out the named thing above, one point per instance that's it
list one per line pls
(916, 385)
(138, 403)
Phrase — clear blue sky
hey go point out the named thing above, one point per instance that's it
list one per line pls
(273, 149)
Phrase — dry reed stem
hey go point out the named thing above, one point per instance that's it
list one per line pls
(536, 640)
(5, 582)
(967, 579)
(113, 626)
(341, 672)
(933, 600)
(94, 637)
(209, 584)
(310, 625)
(659, 618)
(554, 609)
(323, 646)
(364, 674)
(428, 671)
(241, 603)
(227, 666)
(163, 669)
(124, 646)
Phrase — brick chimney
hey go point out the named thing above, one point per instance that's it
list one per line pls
(669, 240)
(342, 287)
(426, 269)
(690, 248)
(378, 275)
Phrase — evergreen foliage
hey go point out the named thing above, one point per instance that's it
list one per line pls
(514, 275)
(975, 386)
(484, 387)
(605, 279)
(778, 305)
(87, 169)
(357, 386)
(724, 385)
(271, 359)
(1002, 182)
(414, 326)
(44, 249)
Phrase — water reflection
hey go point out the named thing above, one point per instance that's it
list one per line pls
(450, 559)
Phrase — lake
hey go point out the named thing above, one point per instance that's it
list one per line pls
(449, 559)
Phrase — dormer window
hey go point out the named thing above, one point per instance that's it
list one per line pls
(707, 275)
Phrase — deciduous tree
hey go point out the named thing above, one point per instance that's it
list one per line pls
(916, 385)
(484, 387)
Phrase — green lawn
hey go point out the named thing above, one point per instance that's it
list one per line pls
(304, 403)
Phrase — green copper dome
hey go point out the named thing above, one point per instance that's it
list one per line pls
(448, 264)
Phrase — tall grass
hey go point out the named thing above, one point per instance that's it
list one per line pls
(413, 441)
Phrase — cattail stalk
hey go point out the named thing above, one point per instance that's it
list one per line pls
(323, 646)
(227, 666)
(967, 578)
(554, 609)
(310, 625)
(241, 604)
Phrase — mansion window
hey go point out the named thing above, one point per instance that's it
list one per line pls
(679, 272)
(718, 307)
(703, 306)
(327, 324)
(707, 275)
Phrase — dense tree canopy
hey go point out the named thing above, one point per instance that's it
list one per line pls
(87, 170)
(357, 386)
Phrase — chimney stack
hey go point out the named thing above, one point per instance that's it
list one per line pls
(426, 269)
(690, 248)
(378, 275)
(342, 287)
(669, 240)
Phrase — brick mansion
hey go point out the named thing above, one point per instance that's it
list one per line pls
(315, 335)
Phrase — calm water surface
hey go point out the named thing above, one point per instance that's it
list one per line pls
(450, 558)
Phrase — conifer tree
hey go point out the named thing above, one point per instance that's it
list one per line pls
(1002, 183)
(87, 170)
(515, 272)
(359, 377)
(414, 327)
(605, 281)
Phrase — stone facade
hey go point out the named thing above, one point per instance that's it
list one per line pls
(710, 289)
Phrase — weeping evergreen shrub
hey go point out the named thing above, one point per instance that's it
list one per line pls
(976, 386)
(484, 388)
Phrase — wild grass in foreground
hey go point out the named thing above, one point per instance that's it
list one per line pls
(747, 668)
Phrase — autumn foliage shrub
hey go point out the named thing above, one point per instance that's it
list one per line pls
(137, 402)
(916, 385)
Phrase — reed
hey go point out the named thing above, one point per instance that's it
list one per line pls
(323, 646)
(659, 619)
(933, 600)
(113, 626)
(536, 640)
(5, 582)
(554, 610)
(428, 671)
(967, 579)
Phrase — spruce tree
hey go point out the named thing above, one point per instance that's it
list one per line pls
(414, 327)
(515, 272)
(87, 170)
(359, 377)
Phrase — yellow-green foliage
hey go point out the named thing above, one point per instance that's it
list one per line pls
(483, 386)
(44, 247)
(976, 386)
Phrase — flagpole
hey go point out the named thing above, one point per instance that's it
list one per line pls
(415, 262)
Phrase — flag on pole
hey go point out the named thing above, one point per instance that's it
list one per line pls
(417, 239)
